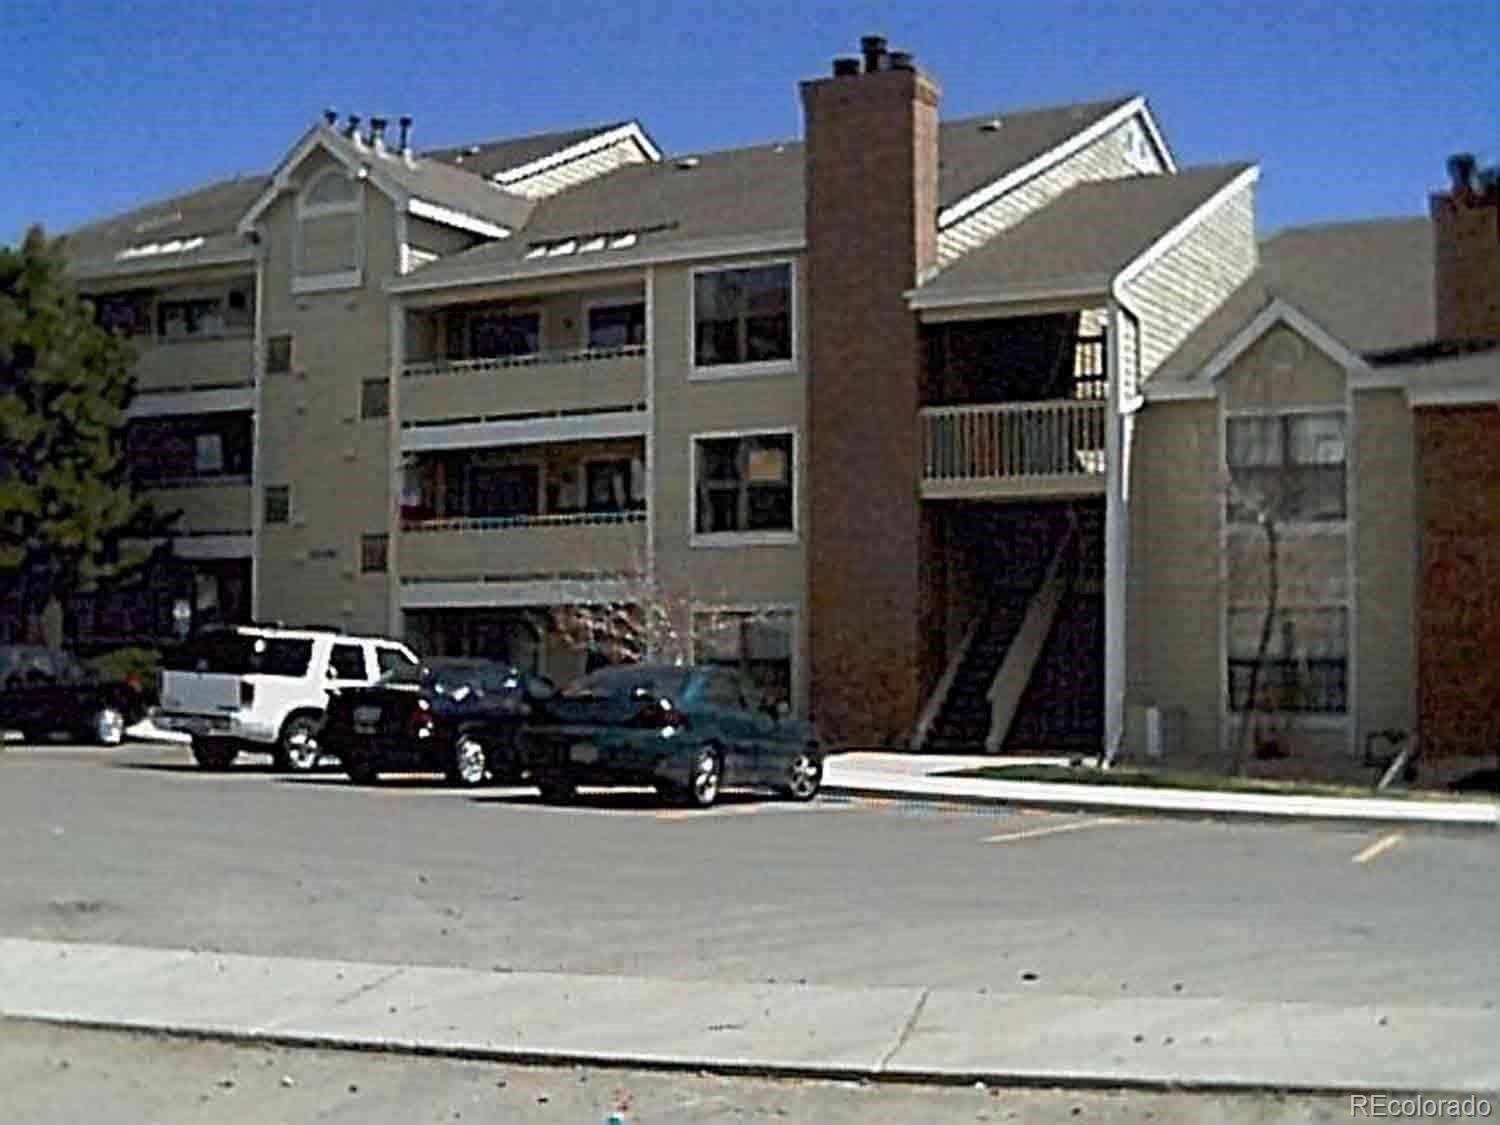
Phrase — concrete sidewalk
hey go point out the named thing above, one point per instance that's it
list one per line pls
(893, 1034)
(918, 776)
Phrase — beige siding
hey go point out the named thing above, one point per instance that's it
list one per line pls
(1279, 371)
(1386, 536)
(1105, 159)
(614, 382)
(1173, 629)
(207, 508)
(747, 576)
(1180, 289)
(571, 550)
(311, 436)
(435, 238)
(223, 361)
(555, 179)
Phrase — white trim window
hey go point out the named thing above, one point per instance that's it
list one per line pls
(760, 643)
(744, 319)
(328, 246)
(1287, 467)
(1306, 670)
(745, 487)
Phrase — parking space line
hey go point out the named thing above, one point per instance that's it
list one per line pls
(1074, 826)
(1378, 848)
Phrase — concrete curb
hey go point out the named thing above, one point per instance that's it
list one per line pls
(1062, 1078)
(1487, 819)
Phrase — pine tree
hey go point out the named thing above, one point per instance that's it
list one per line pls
(67, 500)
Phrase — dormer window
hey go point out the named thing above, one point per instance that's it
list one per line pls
(328, 248)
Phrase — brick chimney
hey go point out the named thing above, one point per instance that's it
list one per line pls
(1466, 252)
(871, 217)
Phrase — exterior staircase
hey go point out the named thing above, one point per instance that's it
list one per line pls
(964, 721)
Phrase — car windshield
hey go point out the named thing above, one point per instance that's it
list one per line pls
(627, 681)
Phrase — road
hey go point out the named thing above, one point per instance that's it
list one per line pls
(135, 846)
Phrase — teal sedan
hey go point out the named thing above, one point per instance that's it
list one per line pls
(689, 732)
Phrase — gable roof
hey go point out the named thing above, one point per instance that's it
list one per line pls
(752, 195)
(1368, 284)
(213, 212)
(1083, 239)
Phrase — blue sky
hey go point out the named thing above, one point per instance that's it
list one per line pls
(1350, 107)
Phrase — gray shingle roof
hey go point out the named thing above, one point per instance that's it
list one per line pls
(1368, 283)
(209, 212)
(437, 182)
(746, 192)
(485, 158)
(1084, 237)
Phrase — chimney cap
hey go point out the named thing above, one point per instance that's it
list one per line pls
(901, 60)
(843, 67)
(1461, 169)
(873, 48)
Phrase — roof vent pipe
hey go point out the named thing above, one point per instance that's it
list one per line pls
(873, 48)
(331, 117)
(1461, 169)
(377, 132)
(406, 133)
(351, 127)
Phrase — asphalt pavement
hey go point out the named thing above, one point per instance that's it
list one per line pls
(938, 937)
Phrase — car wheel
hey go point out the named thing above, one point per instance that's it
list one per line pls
(803, 777)
(108, 727)
(467, 766)
(214, 753)
(557, 789)
(297, 751)
(705, 779)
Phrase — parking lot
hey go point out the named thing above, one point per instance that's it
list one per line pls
(136, 846)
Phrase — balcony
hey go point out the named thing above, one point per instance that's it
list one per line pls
(1013, 450)
(552, 548)
(195, 363)
(219, 504)
(540, 383)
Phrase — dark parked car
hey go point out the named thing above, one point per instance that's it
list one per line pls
(45, 690)
(687, 731)
(458, 717)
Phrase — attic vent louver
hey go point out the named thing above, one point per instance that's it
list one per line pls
(993, 125)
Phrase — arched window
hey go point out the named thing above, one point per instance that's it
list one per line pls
(328, 250)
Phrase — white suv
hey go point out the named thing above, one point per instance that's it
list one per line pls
(264, 690)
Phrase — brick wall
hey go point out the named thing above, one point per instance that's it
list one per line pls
(871, 226)
(1458, 677)
(1466, 233)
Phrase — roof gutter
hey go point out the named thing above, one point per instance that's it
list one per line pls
(108, 268)
(1081, 289)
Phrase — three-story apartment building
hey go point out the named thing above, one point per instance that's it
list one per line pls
(906, 417)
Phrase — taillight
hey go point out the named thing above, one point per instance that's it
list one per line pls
(247, 694)
(419, 722)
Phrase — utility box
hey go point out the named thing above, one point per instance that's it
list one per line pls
(1163, 732)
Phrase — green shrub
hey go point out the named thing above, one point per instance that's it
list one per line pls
(143, 664)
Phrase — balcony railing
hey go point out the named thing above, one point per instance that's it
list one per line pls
(470, 548)
(594, 379)
(531, 359)
(1013, 449)
(501, 523)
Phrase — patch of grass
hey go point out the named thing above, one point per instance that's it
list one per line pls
(1219, 783)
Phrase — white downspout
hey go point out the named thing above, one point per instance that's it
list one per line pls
(1116, 533)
